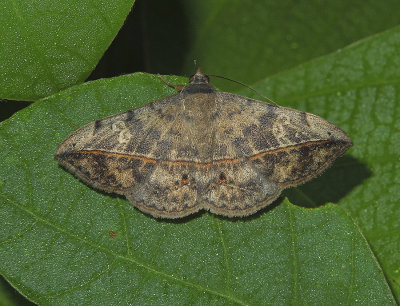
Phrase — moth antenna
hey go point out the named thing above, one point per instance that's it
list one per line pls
(178, 87)
(245, 85)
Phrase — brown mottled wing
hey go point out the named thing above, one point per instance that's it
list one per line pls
(267, 148)
(124, 153)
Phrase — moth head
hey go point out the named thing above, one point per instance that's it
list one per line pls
(199, 78)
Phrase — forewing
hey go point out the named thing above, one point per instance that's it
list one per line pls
(155, 130)
(284, 145)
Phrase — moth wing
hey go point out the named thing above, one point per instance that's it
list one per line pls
(271, 148)
(288, 146)
(155, 130)
(122, 154)
(237, 189)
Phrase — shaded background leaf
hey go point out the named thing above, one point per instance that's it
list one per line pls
(10, 296)
(244, 40)
(365, 183)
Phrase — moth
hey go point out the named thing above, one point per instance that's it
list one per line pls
(202, 149)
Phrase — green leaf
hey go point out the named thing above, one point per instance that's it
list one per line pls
(356, 88)
(57, 245)
(49, 45)
(66, 243)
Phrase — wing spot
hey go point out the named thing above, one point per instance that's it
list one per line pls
(222, 178)
(185, 179)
